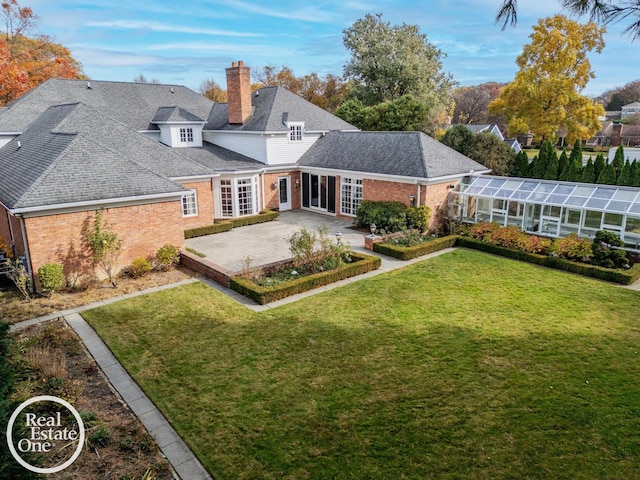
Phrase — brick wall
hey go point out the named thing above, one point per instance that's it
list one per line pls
(143, 229)
(271, 199)
(205, 205)
(5, 232)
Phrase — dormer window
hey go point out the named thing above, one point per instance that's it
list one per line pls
(295, 131)
(186, 135)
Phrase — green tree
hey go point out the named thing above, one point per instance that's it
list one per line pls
(576, 152)
(563, 161)
(488, 150)
(618, 160)
(602, 11)
(598, 165)
(635, 174)
(608, 175)
(521, 165)
(588, 174)
(551, 172)
(556, 63)
(458, 137)
(574, 173)
(532, 167)
(388, 62)
(625, 178)
(403, 114)
(544, 157)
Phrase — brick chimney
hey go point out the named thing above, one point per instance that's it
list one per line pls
(238, 92)
(616, 134)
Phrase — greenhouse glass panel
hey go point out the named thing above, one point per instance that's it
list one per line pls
(613, 219)
(635, 208)
(546, 187)
(528, 186)
(632, 228)
(484, 209)
(512, 184)
(551, 211)
(520, 195)
(617, 206)
(538, 197)
(584, 191)
(592, 219)
(626, 195)
(504, 193)
(599, 203)
(564, 189)
(557, 199)
(576, 201)
(497, 182)
(469, 213)
(603, 193)
(489, 191)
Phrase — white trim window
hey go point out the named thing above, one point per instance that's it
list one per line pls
(296, 130)
(190, 204)
(226, 197)
(238, 197)
(186, 135)
(245, 197)
(351, 195)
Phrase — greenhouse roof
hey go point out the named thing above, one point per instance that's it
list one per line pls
(610, 198)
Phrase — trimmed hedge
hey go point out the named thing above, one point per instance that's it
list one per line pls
(219, 227)
(624, 277)
(361, 264)
(226, 225)
(407, 253)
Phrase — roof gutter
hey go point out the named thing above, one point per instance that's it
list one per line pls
(82, 206)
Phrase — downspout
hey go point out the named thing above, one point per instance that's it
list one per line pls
(419, 193)
(262, 191)
(26, 252)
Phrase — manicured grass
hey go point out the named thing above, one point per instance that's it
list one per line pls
(462, 366)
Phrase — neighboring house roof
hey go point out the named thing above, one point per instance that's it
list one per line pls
(489, 127)
(63, 158)
(406, 154)
(631, 105)
(272, 108)
(133, 104)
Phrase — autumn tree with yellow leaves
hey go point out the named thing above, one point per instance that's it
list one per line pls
(545, 96)
(26, 62)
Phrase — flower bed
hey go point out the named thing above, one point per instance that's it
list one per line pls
(407, 253)
(360, 263)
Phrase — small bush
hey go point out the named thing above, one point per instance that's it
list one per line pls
(388, 216)
(407, 253)
(418, 218)
(534, 244)
(218, 227)
(139, 267)
(167, 256)
(482, 229)
(603, 253)
(509, 237)
(51, 277)
(572, 247)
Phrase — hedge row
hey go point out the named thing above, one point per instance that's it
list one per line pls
(624, 277)
(262, 295)
(226, 225)
(407, 253)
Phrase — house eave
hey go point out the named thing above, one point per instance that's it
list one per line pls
(391, 178)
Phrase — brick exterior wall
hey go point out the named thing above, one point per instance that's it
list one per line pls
(143, 229)
(238, 92)
(271, 198)
(5, 232)
(205, 205)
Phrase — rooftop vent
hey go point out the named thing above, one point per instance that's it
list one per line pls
(89, 85)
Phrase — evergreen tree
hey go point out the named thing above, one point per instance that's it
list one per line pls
(562, 161)
(618, 160)
(608, 175)
(588, 174)
(576, 152)
(574, 172)
(635, 174)
(625, 177)
(540, 169)
(532, 167)
(521, 165)
(552, 166)
(599, 165)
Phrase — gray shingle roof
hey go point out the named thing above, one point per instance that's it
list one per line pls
(174, 114)
(407, 154)
(133, 104)
(269, 106)
(218, 159)
(62, 159)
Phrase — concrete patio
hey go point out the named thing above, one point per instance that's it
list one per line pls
(268, 242)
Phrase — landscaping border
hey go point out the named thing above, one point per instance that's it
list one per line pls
(362, 263)
(624, 277)
(228, 224)
(407, 253)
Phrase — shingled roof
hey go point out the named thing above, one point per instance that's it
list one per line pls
(132, 104)
(272, 106)
(405, 154)
(62, 158)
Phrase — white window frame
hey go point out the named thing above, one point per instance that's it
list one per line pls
(238, 197)
(190, 204)
(296, 131)
(351, 194)
(186, 134)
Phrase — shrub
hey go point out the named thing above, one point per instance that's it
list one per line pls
(388, 216)
(603, 253)
(534, 244)
(104, 244)
(167, 256)
(139, 267)
(19, 275)
(314, 252)
(481, 229)
(407, 253)
(51, 277)
(572, 247)
(509, 237)
(218, 227)
(418, 218)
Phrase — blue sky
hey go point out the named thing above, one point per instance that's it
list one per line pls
(187, 42)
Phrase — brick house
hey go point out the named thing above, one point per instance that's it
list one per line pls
(160, 159)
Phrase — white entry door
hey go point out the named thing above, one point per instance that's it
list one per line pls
(284, 192)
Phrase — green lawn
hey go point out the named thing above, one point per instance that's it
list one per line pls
(463, 366)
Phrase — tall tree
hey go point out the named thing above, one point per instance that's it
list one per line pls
(554, 69)
(142, 79)
(521, 165)
(602, 11)
(607, 176)
(588, 174)
(598, 165)
(618, 160)
(616, 98)
(458, 137)
(403, 114)
(562, 162)
(26, 62)
(388, 62)
(491, 152)
(472, 104)
(214, 92)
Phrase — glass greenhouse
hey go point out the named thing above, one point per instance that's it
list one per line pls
(547, 207)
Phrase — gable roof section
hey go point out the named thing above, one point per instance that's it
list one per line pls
(405, 154)
(132, 104)
(270, 104)
(175, 115)
(63, 160)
